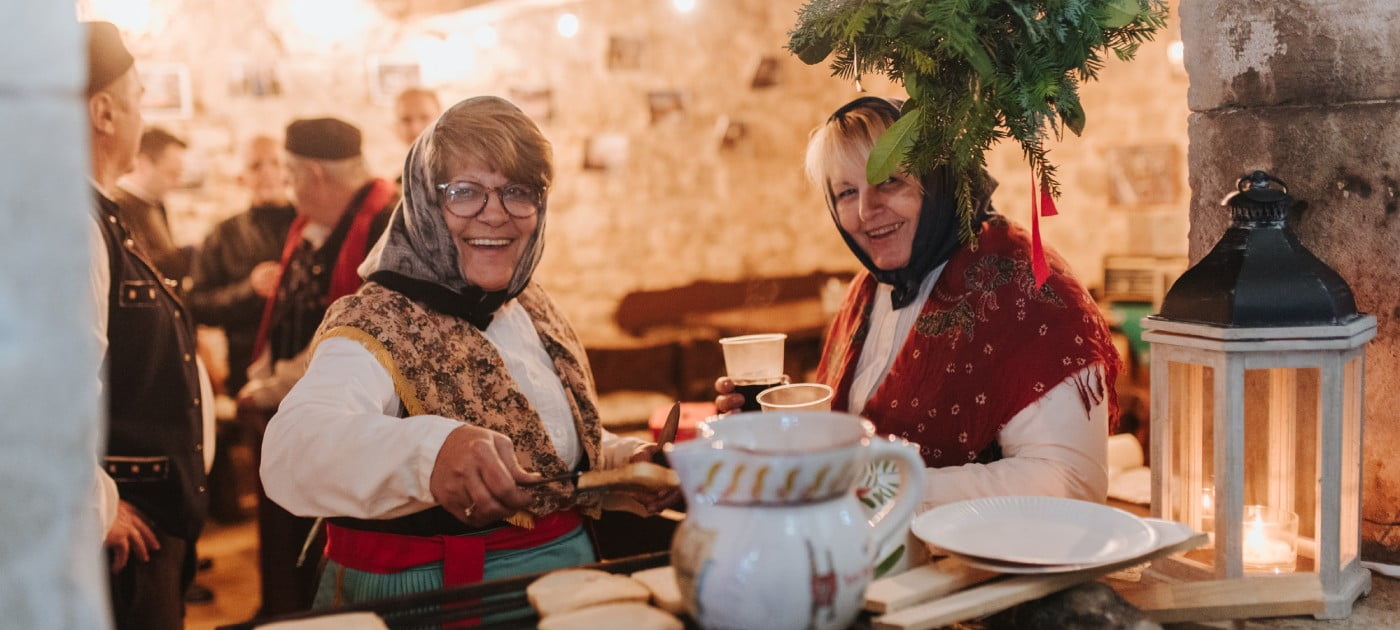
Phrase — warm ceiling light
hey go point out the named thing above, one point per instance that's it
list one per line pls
(331, 21)
(684, 6)
(445, 59)
(568, 25)
(485, 36)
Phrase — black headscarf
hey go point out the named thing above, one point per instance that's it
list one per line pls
(417, 256)
(936, 237)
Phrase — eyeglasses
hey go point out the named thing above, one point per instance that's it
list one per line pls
(468, 199)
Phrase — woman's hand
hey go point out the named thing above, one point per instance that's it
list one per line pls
(728, 400)
(475, 474)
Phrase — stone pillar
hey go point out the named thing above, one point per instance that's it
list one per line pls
(1309, 90)
(51, 564)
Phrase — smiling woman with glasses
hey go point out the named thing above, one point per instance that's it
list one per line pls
(445, 382)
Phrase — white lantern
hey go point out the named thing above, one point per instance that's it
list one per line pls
(1258, 364)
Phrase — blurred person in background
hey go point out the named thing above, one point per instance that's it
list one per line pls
(341, 212)
(140, 197)
(235, 270)
(414, 109)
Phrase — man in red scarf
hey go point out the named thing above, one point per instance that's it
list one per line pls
(341, 211)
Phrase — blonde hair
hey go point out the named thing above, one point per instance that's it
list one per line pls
(491, 132)
(843, 143)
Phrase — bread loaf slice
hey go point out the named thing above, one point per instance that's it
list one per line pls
(665, 594)
(630, 615)
(571, 589)
(643, 476)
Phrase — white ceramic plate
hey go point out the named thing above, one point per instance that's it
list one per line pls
(1035, 530)
(1168, 533)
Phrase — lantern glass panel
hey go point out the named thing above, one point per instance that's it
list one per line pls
(1281, 436)
(1352, 396)
(1190, 411)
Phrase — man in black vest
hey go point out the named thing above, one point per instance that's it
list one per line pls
(154, 407)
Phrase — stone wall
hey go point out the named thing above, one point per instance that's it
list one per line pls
(1310, 92)
(681, 204)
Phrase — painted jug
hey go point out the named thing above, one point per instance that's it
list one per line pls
(774, 536)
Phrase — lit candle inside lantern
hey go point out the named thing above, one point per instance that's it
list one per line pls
(1270, 540)
(1208, 513)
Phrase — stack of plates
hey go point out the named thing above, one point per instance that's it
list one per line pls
(1029, 535)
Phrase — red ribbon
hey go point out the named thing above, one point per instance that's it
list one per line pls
(1039, 267)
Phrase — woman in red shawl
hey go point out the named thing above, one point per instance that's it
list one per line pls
(1005, 386)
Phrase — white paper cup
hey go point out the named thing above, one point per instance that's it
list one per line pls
(754, 358)
(796, 397)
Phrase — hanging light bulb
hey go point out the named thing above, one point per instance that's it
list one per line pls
(568, 25)
(684, 6)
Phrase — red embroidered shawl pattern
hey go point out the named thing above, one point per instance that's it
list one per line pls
(986, 344)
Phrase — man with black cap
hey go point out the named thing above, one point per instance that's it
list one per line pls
(155, 438)
(341, 211)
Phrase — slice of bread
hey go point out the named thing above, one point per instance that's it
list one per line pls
(665, 594)
(643, 476)
(630, 615)
(571, 589)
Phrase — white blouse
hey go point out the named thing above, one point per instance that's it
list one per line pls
(1053, 447)
(336, 446)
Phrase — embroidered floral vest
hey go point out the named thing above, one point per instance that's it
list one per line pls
(986, 344)
(443, 366)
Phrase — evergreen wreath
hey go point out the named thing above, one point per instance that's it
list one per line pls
(976, 71)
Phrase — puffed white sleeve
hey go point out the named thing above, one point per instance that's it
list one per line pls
(336, 446)
(1053, 447)
(104, 492)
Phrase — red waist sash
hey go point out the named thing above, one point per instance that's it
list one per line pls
(463, 557)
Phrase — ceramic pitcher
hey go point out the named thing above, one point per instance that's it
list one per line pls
(774, 536)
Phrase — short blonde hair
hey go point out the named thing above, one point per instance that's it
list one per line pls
(843, 143)
(491, 132)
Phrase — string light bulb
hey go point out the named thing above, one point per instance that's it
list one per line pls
(684, 6)
(568, 25)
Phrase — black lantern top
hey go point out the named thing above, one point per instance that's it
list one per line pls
(1259, 275)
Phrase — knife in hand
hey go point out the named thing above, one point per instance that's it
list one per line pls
(668, 435)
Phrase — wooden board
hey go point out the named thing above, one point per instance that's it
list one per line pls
(1002, 594)
(1221, 600)
(920, 584)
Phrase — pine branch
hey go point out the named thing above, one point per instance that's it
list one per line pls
(978, 71)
